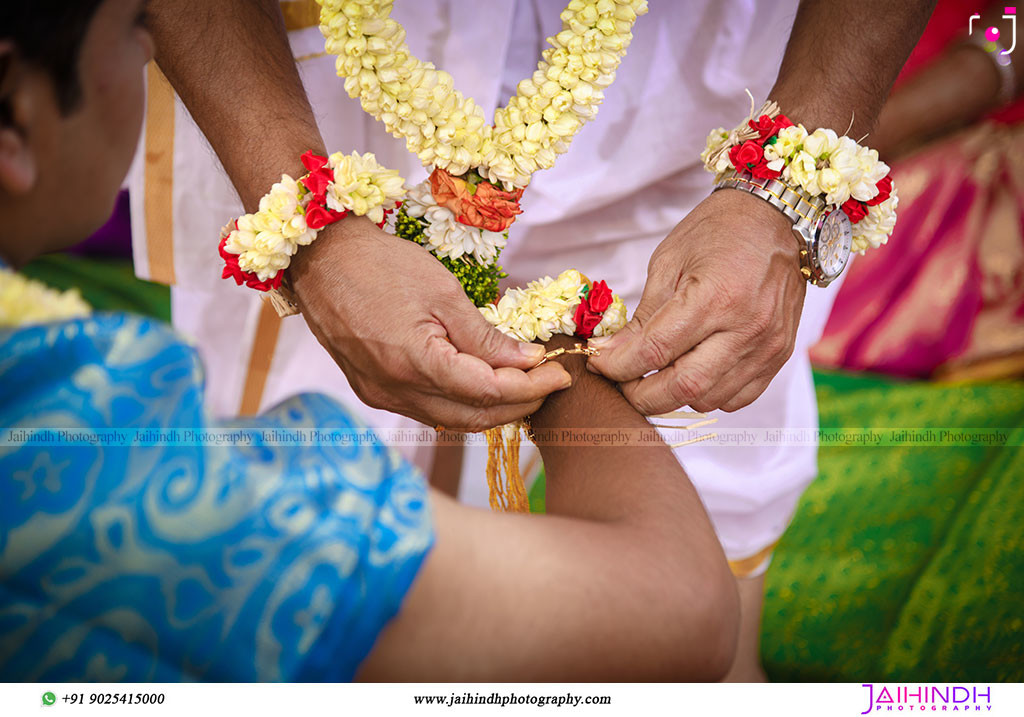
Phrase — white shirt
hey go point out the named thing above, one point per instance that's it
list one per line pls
(629, 177)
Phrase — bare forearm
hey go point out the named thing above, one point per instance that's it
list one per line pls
(231, 64)
(624, 525)
(627, 526)
(954, 90)
(949, 94)
(588, 439)
(842, 58)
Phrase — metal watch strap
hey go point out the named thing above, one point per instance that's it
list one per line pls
(800, 207)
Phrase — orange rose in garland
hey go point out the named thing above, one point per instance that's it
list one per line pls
(477, 204)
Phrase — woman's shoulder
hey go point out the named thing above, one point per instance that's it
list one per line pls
(94, 334)
(103, 353)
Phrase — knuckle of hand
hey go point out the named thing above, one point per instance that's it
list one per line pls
(688, 388)
(703, 406)
(732, 405)
(778, 349)
(372, 395)
(730, 297)
(648, 405)
(762, 322)
(786, 351)
(477, 421)
(488, 395)
(493, 342)
(655, 353)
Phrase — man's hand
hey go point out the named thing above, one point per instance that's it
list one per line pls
(719, 313)
(720, 310)
(401, 328)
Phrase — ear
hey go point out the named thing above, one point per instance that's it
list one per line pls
(18, 169)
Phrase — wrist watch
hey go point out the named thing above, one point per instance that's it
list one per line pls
(824, 232)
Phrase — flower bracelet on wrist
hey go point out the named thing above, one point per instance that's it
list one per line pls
(257, 248)
(569, 305)
(837, 193)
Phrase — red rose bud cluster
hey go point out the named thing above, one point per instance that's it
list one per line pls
(749, 156)
(856, 210)
(591, 309)
(318, 215)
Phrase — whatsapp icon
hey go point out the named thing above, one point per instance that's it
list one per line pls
(49, 698)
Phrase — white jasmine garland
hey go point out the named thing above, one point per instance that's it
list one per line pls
(823, 164)
(550, 107)
(547, 307)
(789, 141)
(821, 142)
(415, 101)
(266, 240)
(362, 186)
(875, 229)
(418, 199)
(865, 187)
(419, 103)
(803, 170)
(24, 301)
(447, 237)
(614, 318)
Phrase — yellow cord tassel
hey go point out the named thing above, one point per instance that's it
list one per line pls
(508, 491)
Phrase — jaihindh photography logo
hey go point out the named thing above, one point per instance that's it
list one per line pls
(926, 698)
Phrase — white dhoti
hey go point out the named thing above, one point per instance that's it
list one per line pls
(629, 177)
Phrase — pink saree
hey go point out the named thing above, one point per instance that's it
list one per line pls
(945, 296)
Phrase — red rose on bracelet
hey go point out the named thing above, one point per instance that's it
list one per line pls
(746, 155)
(884, 191)
(591, 309)
(485, 207)
(781, 122)
(600, 297)
(766, 127)
(761, 170)
(586, 321)
(317, 217)
(320, 175)
(854, 210)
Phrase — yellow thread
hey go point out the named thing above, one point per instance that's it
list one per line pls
(700, 424)
(311, 56)
(745, 566)
(681, 414)
(507, 489)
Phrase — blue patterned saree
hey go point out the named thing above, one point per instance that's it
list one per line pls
(168, 552)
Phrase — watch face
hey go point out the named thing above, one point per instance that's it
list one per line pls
(835, 239)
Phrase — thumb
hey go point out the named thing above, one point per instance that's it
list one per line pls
(472, 334)
(615, 360)
(651, 299)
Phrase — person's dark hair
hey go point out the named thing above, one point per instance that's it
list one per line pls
(48, 34)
